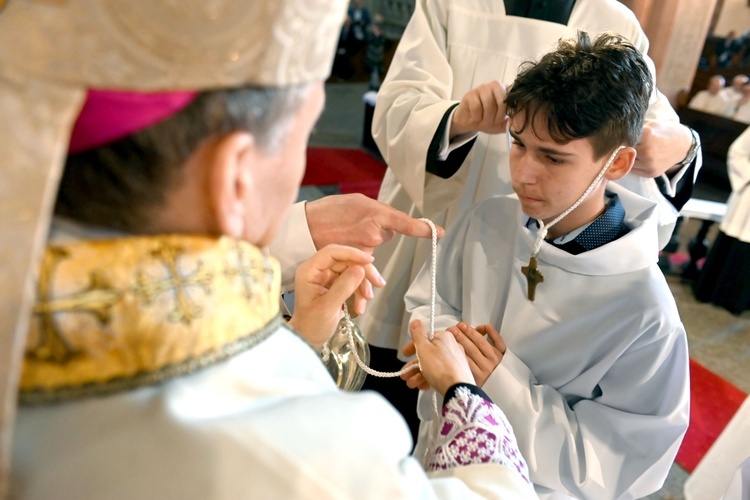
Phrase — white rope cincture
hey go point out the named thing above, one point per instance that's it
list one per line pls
(543, 228)
(349, 325)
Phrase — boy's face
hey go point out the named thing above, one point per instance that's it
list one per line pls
(549, 177)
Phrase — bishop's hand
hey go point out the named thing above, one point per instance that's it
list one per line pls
(442, 360)
(359, 221)
(322, 285)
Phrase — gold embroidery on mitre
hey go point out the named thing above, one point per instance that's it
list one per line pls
(118, 314)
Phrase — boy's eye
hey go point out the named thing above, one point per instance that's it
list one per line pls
(553, 160)
(516, 142)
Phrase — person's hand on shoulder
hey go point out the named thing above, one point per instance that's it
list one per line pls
(322, 285)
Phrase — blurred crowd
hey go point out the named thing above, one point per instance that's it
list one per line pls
(361, 46)
(730, 101)
(727, 51)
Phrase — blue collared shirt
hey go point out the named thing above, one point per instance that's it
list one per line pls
(606, 228)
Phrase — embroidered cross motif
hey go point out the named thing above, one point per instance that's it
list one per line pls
(185, 309)
(533, 277)
(97, 299)
(268, 272)
(243, 270)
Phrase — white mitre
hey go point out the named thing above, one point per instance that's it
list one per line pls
(52, 51)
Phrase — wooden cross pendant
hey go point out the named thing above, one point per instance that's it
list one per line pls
(533, 277)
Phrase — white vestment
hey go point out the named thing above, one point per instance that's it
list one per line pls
(724, 471)
(268, 422)
(742, 113)
(595, 376)
(736, 222)
(251, 427)
(716, 104)
(448, 48)
(293, 245)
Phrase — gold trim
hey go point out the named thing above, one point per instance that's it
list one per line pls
(118, 314)
(38, 397)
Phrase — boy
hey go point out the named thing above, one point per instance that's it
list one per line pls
(591, 367)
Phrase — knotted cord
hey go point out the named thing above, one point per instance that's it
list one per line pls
(349, 325)
(543, 228)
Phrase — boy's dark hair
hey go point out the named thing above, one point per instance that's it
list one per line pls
(598, 90)
(120, 184)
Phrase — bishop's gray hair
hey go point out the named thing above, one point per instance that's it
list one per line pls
(118, 185)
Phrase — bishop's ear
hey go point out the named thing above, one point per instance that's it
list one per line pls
(230, 182)
(621, 165)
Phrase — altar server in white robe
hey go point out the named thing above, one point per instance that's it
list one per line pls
(466, 51)
(590, 363)
(724, 279)
(156, 364)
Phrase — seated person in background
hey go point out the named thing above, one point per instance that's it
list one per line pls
(555, 292)
(734, 91)
(724, 279)
(167, 371)
(741, 106)
(712, 99)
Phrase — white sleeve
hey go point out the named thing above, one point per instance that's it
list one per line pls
(414, 97)
(739, 486)
(293, 245)
(447, 146)
(738, 161)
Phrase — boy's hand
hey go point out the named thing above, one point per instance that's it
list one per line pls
(442, 360)
(323, 283)
(483, 356)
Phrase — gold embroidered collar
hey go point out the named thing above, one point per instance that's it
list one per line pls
(118, 314)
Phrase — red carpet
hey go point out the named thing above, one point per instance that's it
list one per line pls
(353, 170)
(713, 403)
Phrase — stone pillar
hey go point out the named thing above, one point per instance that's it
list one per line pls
(677, 31)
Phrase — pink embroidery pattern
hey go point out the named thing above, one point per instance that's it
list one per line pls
(475, 431)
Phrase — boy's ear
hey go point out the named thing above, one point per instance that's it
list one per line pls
(622, 164)
(230, 182)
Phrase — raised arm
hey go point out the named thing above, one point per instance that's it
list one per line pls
(415, 96)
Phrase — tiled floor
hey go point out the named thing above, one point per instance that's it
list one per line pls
(717, 339)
